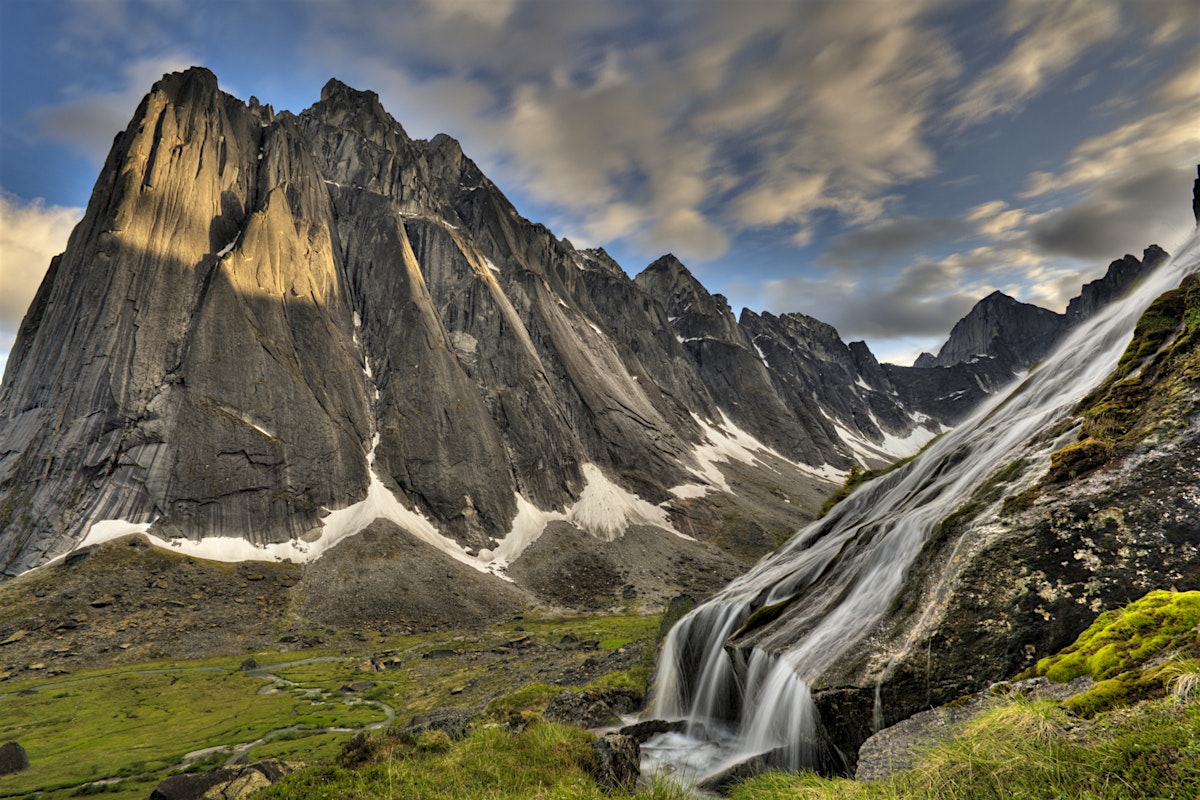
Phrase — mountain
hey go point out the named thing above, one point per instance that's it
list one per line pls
(270, 330)
(273, 332)
(1017, 334)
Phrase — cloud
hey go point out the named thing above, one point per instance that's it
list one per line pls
(492, 13)
(1133, 183)
(700, 119)
(1121, 215)
(1051, 36)
(923, 300)
(880, 243)
(30, 235)
(88, 122)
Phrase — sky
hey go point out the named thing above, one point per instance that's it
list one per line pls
(877, 164)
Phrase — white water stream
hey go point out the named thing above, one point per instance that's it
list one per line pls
(843, 572)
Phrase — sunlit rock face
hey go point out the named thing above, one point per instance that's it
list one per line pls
(270, 330)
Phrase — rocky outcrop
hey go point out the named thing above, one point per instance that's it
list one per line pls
(1017, 335)
(1121, 275)
(788, 380)
(224, 783)
(1003, 328)
(12, 758)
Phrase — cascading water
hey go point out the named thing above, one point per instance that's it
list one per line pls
(839, 576)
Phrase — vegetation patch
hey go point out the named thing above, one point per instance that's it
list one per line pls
(544, 760)
(1152, 390)
(1132, 652)
(857, 477)
(1030, 750)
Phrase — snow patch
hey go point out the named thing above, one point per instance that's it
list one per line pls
(727, 442)
(762, 356)
(891, 448)
(490, 265)
(224, 251)
(860, 382)
(604, 510)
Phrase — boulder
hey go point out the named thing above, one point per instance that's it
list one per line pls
(223, 783)
(12, 758)
(590, 708)
(617, 767)
(454, 722)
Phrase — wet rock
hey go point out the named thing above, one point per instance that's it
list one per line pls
(619, 759)
(590, 708)
(641, 731)
(12, 758)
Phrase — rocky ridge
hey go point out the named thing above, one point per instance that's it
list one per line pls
(264, 317)
(271, 330)
(1017, 334)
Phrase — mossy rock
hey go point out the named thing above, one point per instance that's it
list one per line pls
(1078, 459)
(1124, 650)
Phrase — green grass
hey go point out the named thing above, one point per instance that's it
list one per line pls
(122, 723)
(545, 761)
(1025, 750)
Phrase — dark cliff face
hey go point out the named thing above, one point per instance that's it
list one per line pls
(1001, 327)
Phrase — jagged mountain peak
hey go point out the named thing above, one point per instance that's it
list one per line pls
(342, 106)
(193, 79)
(315, 322)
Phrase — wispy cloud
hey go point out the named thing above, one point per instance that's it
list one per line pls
(88, 122)
(697, 122)
(1048, 38)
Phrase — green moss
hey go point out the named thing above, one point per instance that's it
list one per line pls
(1078, 459)
(1152, 388)
(1122, 646)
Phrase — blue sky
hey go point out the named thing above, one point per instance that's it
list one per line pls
(877, 164)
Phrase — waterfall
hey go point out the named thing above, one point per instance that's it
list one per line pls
(837, 577)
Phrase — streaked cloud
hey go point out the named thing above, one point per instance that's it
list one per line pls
(879, 244)
(1048, 38)
(726, 121)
